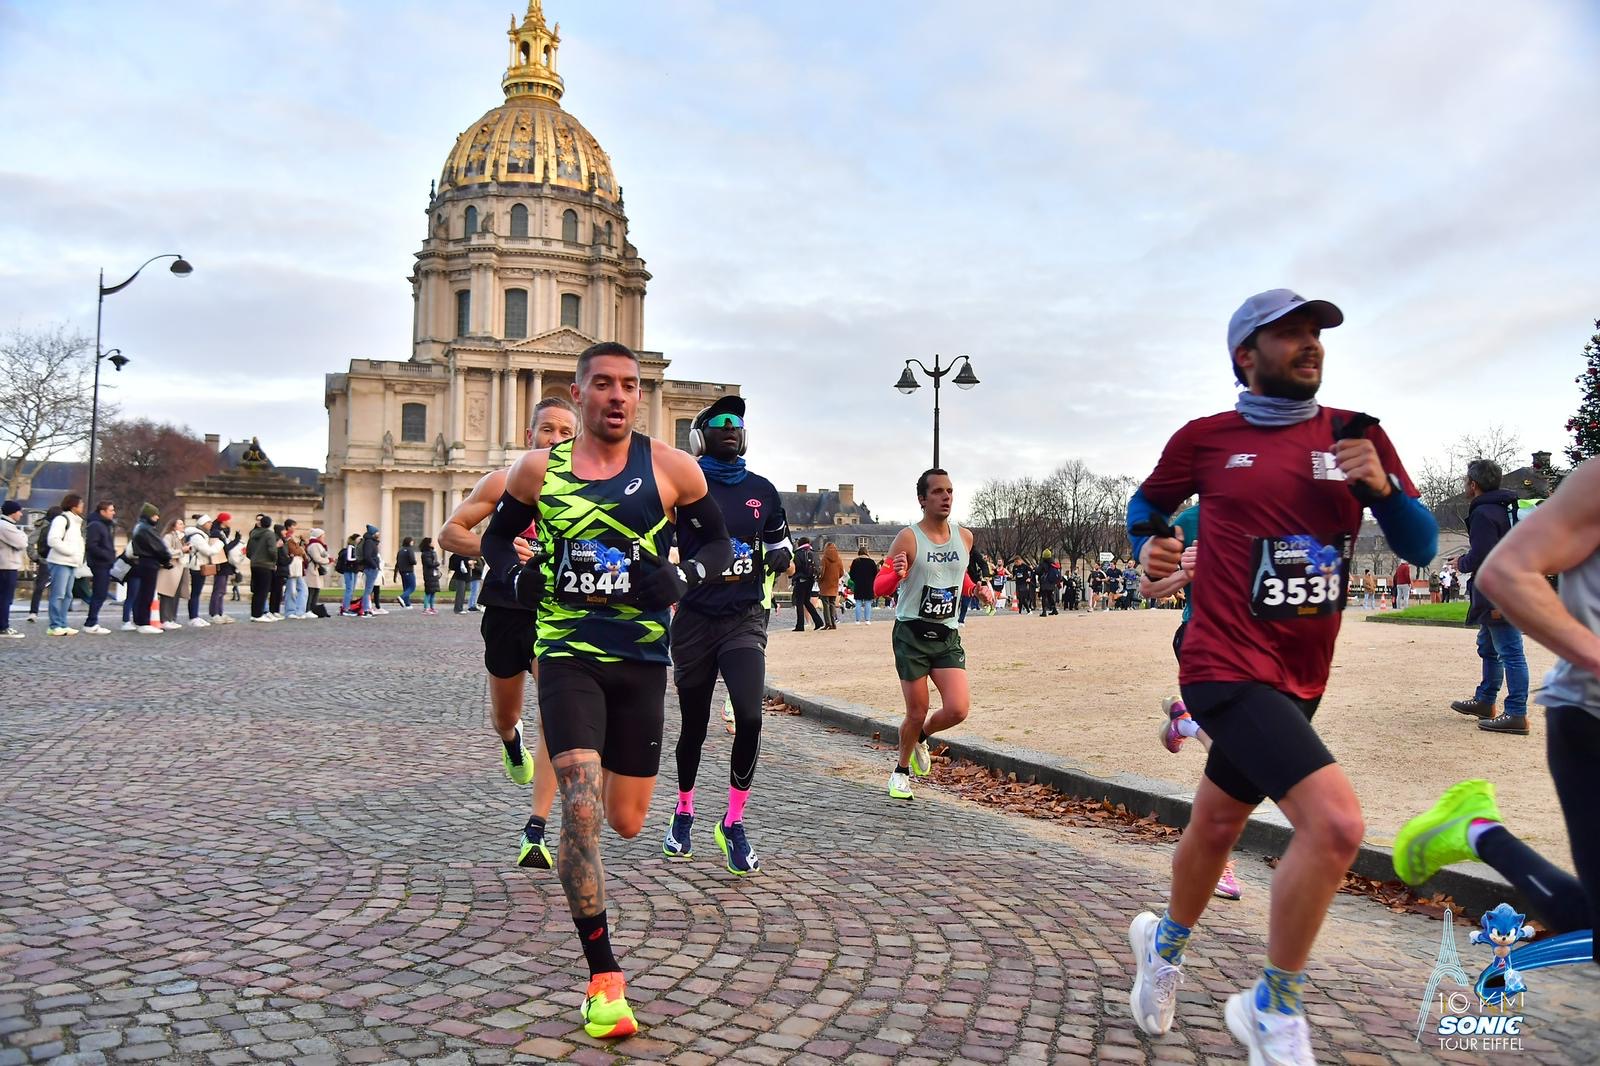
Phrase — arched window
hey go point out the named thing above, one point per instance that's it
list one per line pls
(608, 235)
(569, 226)
(516, 313)
(469, 222)
(413, 423)
(547, 55)
(519, 220)
(680, 433)
(524, 51)
(463, 312)
(571, 308)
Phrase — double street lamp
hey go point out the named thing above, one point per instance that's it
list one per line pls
(964, 379)
(182, 269)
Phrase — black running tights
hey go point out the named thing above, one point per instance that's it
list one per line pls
(1559, 900)
(744, 671)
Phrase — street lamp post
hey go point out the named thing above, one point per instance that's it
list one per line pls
(908, 384)
(182, 269)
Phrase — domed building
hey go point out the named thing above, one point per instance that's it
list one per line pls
(526, 262)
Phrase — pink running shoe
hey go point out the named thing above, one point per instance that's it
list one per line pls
(1228, 885)
(1175, 712)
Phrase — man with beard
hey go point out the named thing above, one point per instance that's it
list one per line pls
(1282, 483)
(721, 628)
(605, 503)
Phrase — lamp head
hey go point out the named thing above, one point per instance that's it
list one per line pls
(118, 360)
(966, 378)
(908, 381)
(181, 267)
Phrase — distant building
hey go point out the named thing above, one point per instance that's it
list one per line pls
(825, 507)
(247, 484)
(43, 489)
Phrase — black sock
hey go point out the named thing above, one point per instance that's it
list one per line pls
(596, 941)
(902, 769)
(534, 829)
(514, 747)
(922, 738)
(1554, 896)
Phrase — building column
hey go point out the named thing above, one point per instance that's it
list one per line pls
(509, 428)
(386, 521)
(496, 431)
(657, 429)
(458, 407)
(535, 391)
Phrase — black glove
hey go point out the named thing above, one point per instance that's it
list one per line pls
(660, 584)
(526, 581)
(778, 560)
(1356, 429)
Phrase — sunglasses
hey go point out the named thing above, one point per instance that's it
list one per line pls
(725, 421)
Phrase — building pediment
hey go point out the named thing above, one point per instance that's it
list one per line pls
(566, 340)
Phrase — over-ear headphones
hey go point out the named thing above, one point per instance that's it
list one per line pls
(697, 437)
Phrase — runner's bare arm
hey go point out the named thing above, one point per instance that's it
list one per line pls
(1561, 533)
(456, 535)
(514, 513)
(1158, 590)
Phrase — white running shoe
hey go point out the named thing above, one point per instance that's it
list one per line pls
(900, 786)
(11, 634)
(157, 630)
(170, 625)
(221, 620)
(1154, 996)
(921, 759)
(199, 623)
(96, 630)
(261, 618)
(379, 610)
(1272, 1039)
(33, 617)
(128, 627)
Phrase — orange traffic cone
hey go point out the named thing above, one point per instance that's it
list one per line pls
(1383, 600)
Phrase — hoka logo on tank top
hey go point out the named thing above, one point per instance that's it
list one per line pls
(591, 535)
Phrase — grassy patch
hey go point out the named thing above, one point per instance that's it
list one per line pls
(1438, 614)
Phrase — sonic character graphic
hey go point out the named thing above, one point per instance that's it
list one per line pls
(1503, 928)
(1321, 559)
(609, 560)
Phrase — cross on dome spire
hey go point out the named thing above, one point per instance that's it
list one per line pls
(531, 70)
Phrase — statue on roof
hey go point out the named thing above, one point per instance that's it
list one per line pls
(388, 445)
(254, 458)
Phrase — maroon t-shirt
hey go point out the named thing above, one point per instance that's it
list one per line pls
(1278, 527)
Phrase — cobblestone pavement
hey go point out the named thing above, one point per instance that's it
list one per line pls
(294, 843)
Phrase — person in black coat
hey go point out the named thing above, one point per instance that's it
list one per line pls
(863, 572)
(405, 571)
(430, 575)
(99, 552)
(460, 579)
(1490, 516)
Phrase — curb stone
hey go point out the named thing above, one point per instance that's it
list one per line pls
(1474, 887)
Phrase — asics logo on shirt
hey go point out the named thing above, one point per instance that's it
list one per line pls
(633, 486)
(1241, 460)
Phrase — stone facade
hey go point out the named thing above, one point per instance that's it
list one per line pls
(525, 263)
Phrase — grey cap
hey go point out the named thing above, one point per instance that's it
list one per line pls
(1269, 306)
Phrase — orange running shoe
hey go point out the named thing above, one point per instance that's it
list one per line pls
(606, 1014)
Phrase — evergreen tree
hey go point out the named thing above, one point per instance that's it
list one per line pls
(1585, 425)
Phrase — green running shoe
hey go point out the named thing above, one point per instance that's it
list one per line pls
(1438, 837)
(517, 759)
(534, 853)
(921, 759)
(606, 1014)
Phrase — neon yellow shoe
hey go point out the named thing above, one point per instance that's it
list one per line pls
(606, 1014)
(900, 786)
(1438, 837)
(533, 852)
(921, 759)
(520, 770)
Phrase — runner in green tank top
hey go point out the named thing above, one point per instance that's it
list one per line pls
(604, 590)
(931, 559)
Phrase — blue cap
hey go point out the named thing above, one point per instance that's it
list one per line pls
(1272, 305)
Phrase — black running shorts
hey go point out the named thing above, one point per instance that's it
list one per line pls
(508, 636)
(698, 639)
(614, 708)
(1262, 743)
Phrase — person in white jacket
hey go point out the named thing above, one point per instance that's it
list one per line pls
(65, 540)
(196, 557)
(13, 549)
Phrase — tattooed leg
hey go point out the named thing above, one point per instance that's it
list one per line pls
(583, 878)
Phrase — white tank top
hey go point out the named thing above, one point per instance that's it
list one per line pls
(931, 591)
(1567, 685)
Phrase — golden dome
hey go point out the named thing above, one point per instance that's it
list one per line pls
(529, 138)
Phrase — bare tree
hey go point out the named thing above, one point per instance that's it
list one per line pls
(147, 462)
(45, 397)
(1442, 478)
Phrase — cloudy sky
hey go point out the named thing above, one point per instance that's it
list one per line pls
(1075, 195)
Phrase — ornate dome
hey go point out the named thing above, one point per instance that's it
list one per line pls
(529, 138)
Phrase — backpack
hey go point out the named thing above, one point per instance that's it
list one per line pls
(41, 540)
(805, 564)
(341, 562)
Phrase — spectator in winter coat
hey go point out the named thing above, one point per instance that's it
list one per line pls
(224, 543)
(65, 540)
(863, 572)
(474, 584)
(1049, 583)
(371, 569)
(828, 585)
(262, 551)
(197, 560)
(460, 579)
(803, 584)
(171, 581)
(317, 562)
(349, 565)
(13, 549)
(1402, 585)
(150, 557)
(100, 552)
(405, 571)
(1490, 516)
(294, 588)
(430, 575)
